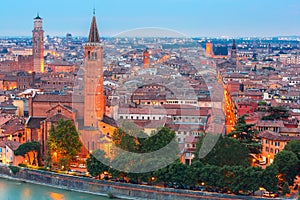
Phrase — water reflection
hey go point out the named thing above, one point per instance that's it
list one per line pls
(13, 190)
(56, 196)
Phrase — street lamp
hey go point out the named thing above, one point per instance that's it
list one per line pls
(152, 180)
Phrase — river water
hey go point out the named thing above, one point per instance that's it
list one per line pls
(14, 190)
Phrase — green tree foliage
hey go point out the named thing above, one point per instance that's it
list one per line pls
(246, 134)
(211, 176)
(262, 103)
(125, 141)
(287, 162)
(94, 165)
(270, 178)
(286, 189)
(26, 148)
(276, 113)
(227, 151)
(293, 146)
(157, 141)
(130, 157)
(64, 140)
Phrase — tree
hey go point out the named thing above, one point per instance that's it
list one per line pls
(211, 176)
(64, 141)
(270, 178)
(30, 147)
(130, 156)
(194, 171)
(158, 140)
(293, 146)
(125, 141)
(287, 162)
(246, 134)
(227, 151)
(94, 165)
(276, 113)
(286, 189)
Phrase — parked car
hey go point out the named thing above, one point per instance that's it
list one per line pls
(270, 194)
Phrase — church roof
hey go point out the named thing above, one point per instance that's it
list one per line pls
(94, 34)
(38, 16)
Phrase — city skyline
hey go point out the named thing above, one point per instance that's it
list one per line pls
(232, 18)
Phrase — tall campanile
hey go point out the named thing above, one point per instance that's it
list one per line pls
(38, 45)
(94, 99)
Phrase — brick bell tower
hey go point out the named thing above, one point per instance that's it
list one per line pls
(38, 45)
(94, 99)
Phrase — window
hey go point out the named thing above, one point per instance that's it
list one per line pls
(89, 55)
(276, 151)
(267, 149)
(271, 150)
(267, 142)
(0, 149)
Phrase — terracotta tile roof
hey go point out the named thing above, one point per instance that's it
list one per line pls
(5, 118)
(110, 121)
(191, 139)
(14, 125)
(13, 145)
(57, 117)
(276, 136)
(267, 123)
(34, 122)
(289, 130)
(52, 98)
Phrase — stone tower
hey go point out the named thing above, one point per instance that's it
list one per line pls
(94, 99)
(209, 49)
(146, 58)
(233, 55)
(38, 45)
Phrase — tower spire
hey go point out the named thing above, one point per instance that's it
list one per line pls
(94, 34)
(233, 44)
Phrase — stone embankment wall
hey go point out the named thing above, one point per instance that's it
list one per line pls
(121, 190)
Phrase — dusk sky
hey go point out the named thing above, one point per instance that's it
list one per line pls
(234, 18)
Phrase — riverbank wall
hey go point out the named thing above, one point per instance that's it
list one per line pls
(109, 188)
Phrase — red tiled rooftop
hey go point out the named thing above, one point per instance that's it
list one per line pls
(270, 135)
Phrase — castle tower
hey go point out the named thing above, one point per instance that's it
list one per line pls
(38, 45)
(233, 56)
(209, 49)
(94, 99)
(146, 58)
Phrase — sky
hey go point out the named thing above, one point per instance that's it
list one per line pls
(210, 18)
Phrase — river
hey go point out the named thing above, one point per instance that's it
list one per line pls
(15, 190)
